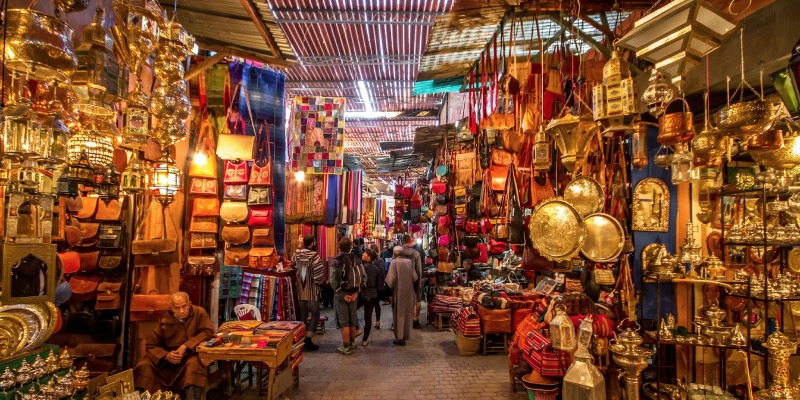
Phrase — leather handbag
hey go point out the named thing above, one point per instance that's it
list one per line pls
(261, 174)
(443, 169)
(88, 207)
(108, 297)
(236, 173)
(472, 227)
(110, 236)
(109, 212)
(80, 322)
(236, 256)
(203, 187)
(72, 232)
(496, 247)
(204, 225)
(263, 236)
(236, 234)
(233, 211)
(263, 257)
(205, 207)
(260, 216)
(203, 240)
(443, 241)
(98, 358)
(74, 204)
(88, 260)
(205, 146)
(148, 307)
(202, 265)
(234, 146)
(89, 231)
(235, 192)
(158, 250)
(494, 320)
(438, 187)
(512, 139)
(111, 264)
(84, 287)
(260, 196)
(70, 262)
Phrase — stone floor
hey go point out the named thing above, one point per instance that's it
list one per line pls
(428, 367)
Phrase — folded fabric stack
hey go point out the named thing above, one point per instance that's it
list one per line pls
(466, 322)
(445, 304)
(298, 331)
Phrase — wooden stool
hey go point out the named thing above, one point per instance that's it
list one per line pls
(440, 321)
(494, 347)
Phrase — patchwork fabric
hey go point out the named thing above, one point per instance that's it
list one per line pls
(318, 135)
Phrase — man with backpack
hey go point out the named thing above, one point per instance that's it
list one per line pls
(347, 277)
(310, 275)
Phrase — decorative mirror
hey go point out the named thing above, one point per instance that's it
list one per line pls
(29, 218)
(30, 272)
(651, 206)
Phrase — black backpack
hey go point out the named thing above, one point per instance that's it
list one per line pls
(353, 274)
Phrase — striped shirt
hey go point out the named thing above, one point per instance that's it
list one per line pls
(310, 273)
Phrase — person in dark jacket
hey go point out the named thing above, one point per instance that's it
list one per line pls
(373, 266)
(473, 273)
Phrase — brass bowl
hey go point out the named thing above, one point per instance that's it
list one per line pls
(556, 215)
(708, 146)
(781, 159)
(605, 238)
(676, 127)
(772, 139)
(39, 45)
(744, 119)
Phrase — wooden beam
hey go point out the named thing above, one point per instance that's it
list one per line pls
(220, 47)
(207, 63)
(603, 29)
(255, 16)
(591, 6)
(581, 35)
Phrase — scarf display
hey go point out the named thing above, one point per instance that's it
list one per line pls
(274, 295)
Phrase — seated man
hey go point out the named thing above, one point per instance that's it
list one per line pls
(170, 362)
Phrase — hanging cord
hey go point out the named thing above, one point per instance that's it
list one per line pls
(730, 7)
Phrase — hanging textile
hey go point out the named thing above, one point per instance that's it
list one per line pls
(318, 135)
(332, 199)
(305, 201)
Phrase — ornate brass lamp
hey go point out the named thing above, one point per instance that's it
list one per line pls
(109, 187)
(632, 359)
(572, 135)
(38, 45)
(136, 37)
(583, 380)
(65, 185)
(615, 100)
(541, 151)
(166, 179)
(562, 331)
(21, 131)
(658, 93)
(780, 349)
(97, 148)
(137, 119)
(58, 136)
(133, 178)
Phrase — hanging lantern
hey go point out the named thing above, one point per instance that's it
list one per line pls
(27, 178)
(108, 189)
(583, 380)
(682, 165)
(81, 172)
(639, 145)
(658, 93)
(21, 131)
(66, 186)
(4, 172)
(54, 142)
(137, 119)
(133, 178)
(786, 82)
(166, 179)
(100, 79)
(676, 36)
(615, 100)
(562, 331)
(136, 37)
(541, 151)
(98, 148)
(572, 135)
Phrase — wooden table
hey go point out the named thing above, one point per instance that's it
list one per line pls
(269, 356)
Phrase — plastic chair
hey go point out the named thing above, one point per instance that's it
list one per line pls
(242, 309)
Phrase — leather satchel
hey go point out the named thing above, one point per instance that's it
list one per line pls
(236, 234)
(260, 216)
(70, 262)
(88, 207)
(89, 231)
(148, 307)
(203, 240)
(154, 251)
(203, 187)
(263, 237)
(260, 196)
(202, 265)
(233, 211)
(235, 192)
(204, 225)
(84, 287)
(261, 174)
(108, 297)
(263, 257)
(205, 207)
(72, 232)
(109, 212)
(236, 173)
(110, 236)
(232, 146)
(88, 260)
(98, 358)
(237, 256)
(111, 264)
(74, 204)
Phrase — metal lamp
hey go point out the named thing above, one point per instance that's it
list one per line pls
(658, 93)
(166, 179)
(676, 36)
(786, 82)
(615, 103)
(81, 172)
(99, 149)
(137, 119)
(108, 189)
(562, 331)
(26, 179)
(66, 186)
(541, 151)
(58, 135)
(583, 380)
(21, 131)
(133, 177)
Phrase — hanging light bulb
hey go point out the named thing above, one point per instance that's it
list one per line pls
(299, 176)
(199, 158)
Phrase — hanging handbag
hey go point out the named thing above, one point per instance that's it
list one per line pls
(205, 146)
(263, 237)
(111, 264)
(237, 256)
(202, 265)
(205, 207)
(263, 257)
(89, 231)
(108, 297)
(74, 204)
(72, 231)
(109, 212)
(159, 250)
(232, 146)
(203, 240)
(88, 207)
(236, 234)
(260, 216)
(110, 237)
(233, 211)
(235, 173)
(204, 225)
(148, 307)
(203, 187)
(236, 192)
(84, 287)
(70, 262)
(261, 174)
(496, 247)
(260, 196)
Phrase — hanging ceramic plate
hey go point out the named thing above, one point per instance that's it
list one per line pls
(604, 238)
(794, 261)
(556, 229)
(37, 320)
(585, 194)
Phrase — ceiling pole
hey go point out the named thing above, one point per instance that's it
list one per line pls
(210, 45)
(600, 27)
(590, 40)
(207, 63)
(262, 29)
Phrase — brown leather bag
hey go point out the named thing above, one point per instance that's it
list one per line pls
(263, 236)
(74, 204)
(111, 264)
(88, 208)
(236, 234)
(84, 287)
(513, 139)
(263, 257)
(148, 307)
(89, 231)
(89, 260)
(72, 232)
(205, 207)
(202, 265)
(236, 256)
(108, 297)
(494, 321)
(203, 240)
(159, 250)
(109, 212)
(234, 211)
(98, 358)
(204, 225)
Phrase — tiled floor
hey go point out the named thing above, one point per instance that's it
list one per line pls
(428, 367)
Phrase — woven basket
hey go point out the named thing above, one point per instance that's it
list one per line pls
(468, 346)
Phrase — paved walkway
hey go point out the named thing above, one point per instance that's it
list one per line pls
(428, 367)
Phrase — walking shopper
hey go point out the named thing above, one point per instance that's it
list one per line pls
(373, 266)
(310, 275)
(347, 277)
(411, 252)
(402, 279)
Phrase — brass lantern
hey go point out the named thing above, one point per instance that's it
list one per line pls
(97, 148)
(541, 151)
(615, 100)
(562, 331)
(572, 135)
(137, 119)
(136, 37)
(166, 179)
(108, 188)
(57, 137)
(133, 178)
(21, 131)
(81, 172)
(27, 178)
(657, 94)
(583, 380)
(66, 186)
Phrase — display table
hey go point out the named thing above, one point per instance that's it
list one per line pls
(271, 357)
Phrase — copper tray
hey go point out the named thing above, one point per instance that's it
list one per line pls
(556, 229)
(585, 194)
(604, 239)
(37, 320)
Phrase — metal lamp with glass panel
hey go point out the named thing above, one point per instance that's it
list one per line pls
(786, 82)
(97, 148)
(167, 179)
(108, 189)
(134, 178)
(615, 100)
(21, 131)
